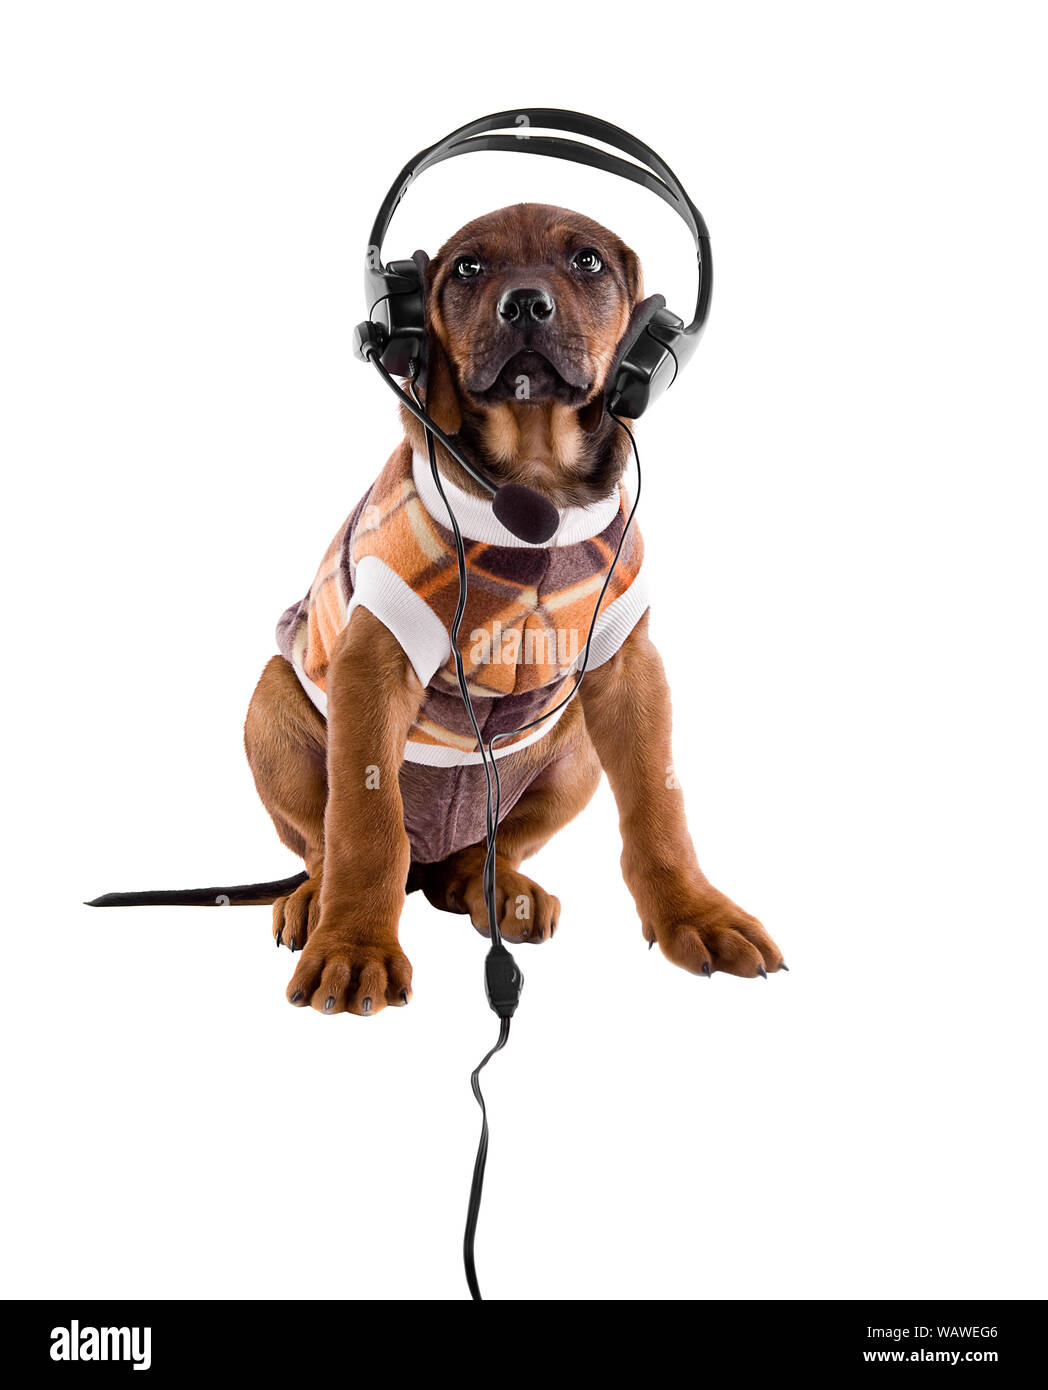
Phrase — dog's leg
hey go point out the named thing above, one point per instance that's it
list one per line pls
(627, 707)
(286, 743)
(352, 960)
(526, 912)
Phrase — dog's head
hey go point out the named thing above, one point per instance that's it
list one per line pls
(526, 308)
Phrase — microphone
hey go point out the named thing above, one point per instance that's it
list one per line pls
(530, 516)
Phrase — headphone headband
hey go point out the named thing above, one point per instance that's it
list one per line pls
(657, 176)
(658, 342)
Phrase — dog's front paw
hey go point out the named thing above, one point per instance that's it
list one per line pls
(524, 911)
(709, 932)
(340, 974)
(295, 916)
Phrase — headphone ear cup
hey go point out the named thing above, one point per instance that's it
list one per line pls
(649, 358)
(398, 307)
(642, 315)
(422, 265)
(618, 378)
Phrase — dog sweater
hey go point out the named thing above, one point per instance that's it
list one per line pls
(527, 613)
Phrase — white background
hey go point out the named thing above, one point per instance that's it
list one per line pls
(844, 521)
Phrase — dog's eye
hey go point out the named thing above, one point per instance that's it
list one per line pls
(466, 267)
(587, 260)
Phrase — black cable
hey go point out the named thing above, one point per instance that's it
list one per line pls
(502, 976)
(460, 671)
(493, 810)
(493, 816)
(477, 1185)
(430, 425)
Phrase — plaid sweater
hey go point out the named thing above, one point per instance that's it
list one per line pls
(526, 619)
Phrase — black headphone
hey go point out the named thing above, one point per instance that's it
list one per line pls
(657, 343)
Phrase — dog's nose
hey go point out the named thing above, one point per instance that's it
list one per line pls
(526, 305)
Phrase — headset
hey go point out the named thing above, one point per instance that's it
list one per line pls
(656, 345)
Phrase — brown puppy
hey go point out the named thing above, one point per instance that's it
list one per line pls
(526, 308)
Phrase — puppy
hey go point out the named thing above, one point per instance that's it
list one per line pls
(357, 737)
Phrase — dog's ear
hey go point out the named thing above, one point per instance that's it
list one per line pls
(442, 400)
(441, 394)
(634, 274)
(592, 413)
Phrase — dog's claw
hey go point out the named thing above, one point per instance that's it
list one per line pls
(785, 967)
(650, 945)
(296, 996)
(706, 969)
(404, 995)
(329, 1003)
(553, 929)
(762, 972)
(291, 943)
(367, 1006)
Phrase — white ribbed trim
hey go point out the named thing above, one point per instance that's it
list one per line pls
(313, 691)
(440, 755)
(409, 617)
(618, 620)
(478, 522)
(613, 627)
(432, 754)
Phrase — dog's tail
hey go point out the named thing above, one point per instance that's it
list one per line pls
(240, 895)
